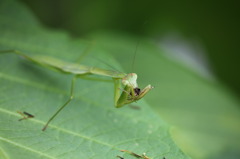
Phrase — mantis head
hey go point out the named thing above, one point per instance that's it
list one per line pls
(131, 92)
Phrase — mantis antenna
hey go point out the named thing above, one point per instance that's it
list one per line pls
(134, 56)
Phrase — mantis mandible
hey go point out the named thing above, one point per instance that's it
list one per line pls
(130, 93)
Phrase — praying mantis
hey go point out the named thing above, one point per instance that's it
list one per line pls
(130, 93)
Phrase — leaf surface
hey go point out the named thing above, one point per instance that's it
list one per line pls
(90, 127)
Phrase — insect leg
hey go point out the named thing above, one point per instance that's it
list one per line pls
(64, 105)
(117, 85)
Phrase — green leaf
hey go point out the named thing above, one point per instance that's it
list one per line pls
(90, 127)
(205, 113)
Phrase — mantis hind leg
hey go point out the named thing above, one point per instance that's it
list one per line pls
(64, 105)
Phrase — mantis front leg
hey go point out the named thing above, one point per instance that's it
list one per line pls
(117, 85)
(124, 97)
(119, 98)
(130, 93)
(64, 105)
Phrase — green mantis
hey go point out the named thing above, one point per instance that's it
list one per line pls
(130, 93)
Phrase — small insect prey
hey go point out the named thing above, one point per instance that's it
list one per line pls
(25, 115)
(130, 93)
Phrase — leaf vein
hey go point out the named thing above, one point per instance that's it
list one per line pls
(26, 148)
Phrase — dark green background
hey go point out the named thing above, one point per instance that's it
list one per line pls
(215, 23)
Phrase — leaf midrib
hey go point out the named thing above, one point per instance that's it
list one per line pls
(65, 131)
(26, 148)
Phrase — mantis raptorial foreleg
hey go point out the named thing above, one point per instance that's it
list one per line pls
(64, 105)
